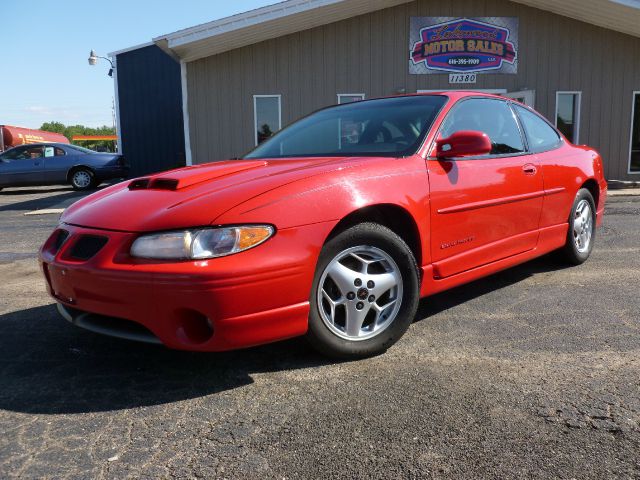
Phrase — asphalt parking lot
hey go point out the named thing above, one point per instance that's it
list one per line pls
(530, 373)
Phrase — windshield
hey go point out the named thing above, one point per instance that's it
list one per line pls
(391, 127)
(80, 149)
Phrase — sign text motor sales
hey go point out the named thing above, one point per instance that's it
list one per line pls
(452, 46)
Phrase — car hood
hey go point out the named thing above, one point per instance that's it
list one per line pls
(194, 196)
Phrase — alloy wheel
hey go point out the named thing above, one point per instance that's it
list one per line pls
(582, 226)
(359, 293)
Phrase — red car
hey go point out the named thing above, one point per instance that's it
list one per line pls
(333, 228)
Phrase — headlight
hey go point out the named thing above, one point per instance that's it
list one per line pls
(200, 243)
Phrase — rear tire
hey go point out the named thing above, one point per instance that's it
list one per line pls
(365, 293)
(82, 179)
(582, 229)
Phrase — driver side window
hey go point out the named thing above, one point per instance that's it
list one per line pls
(491, 116)
(18, 153)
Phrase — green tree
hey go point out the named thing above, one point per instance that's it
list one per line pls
(55, 127)
(70, 131)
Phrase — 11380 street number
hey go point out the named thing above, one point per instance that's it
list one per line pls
(462, 77)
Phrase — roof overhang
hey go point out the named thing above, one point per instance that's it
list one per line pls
(619, 15)
(295, 15)
(263, 24)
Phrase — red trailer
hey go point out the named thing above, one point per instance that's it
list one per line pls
(13, 136)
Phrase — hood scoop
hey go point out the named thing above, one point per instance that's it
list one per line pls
(185, 177)
(154, 183)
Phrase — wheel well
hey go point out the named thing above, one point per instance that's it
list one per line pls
(395, 218)
(76, 168)
(592, 186)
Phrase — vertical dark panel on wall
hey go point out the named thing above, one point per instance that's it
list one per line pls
(150, 104)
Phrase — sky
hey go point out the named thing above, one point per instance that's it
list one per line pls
(44, 72)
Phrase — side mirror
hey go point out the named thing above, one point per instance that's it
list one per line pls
(465, 143)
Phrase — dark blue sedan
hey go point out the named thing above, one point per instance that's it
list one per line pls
(58, 163)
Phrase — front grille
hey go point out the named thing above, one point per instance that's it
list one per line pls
(59, 237)
(112, 326)
(87, 246)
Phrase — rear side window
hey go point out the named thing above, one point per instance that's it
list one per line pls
(540, 134)
(51, 151)
(493, 117)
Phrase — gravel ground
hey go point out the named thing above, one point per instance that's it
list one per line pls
(533, 372)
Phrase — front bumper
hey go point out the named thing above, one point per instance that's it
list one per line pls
(602, 200)
(257, 296)
(114, 327)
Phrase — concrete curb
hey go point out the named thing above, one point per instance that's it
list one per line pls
(624, 192)
(45, 211)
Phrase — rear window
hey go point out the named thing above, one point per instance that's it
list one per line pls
(80, 149)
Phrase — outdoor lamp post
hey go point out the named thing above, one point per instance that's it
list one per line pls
(93, 59)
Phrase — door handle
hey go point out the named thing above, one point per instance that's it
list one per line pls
(529, 169)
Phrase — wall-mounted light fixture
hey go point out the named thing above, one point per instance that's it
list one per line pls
(93, 59)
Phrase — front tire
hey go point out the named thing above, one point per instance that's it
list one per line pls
(582, 229)
(365, 292)
(82, 179)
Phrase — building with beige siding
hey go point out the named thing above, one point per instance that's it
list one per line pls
(576, 61)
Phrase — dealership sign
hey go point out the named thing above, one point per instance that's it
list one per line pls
(447, 44)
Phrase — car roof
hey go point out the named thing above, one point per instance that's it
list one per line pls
(456, 94)
(452, 94)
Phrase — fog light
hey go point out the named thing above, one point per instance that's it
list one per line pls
(193, 327)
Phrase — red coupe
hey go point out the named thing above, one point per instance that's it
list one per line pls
(333, 228)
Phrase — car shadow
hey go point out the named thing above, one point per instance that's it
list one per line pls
(443, 301)
(62, 200)
(51, 367)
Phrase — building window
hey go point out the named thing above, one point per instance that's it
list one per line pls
(350, 97)
(568, 115)
(634, 142)
(267, 116)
